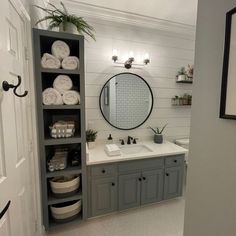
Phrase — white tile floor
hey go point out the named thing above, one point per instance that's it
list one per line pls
(162, 219)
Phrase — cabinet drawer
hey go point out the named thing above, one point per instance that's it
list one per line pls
(174, 161)
(141, 164)
(103, 170)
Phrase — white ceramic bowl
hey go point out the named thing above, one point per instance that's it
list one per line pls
(62, 185)
(61, 213)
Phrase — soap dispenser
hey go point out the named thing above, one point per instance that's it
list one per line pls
(109, 139)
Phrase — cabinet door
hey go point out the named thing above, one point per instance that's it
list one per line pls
(129, 190)
(152, 186)
(103, 196)
(173, 182)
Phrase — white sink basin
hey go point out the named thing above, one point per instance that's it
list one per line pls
(134, 149)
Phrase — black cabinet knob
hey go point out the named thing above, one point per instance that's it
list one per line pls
(167, 174)
(112, 184)
(175, 161)
(144, 178)
(140, 179)
(103, 171)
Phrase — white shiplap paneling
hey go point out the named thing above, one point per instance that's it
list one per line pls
(168, 52)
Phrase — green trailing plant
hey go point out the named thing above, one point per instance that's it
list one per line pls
(56, 17)
(158, 130)
(91, 135)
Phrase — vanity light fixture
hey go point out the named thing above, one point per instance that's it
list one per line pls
(130, 61)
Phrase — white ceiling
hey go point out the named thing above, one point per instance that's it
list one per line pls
(181, 11)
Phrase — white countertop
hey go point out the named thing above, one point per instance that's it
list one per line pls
(98, 155)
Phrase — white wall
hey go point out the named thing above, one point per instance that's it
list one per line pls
(211, 191)
(167, 51)
(182, 11)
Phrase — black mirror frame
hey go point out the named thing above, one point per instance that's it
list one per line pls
(223, 115)
(100, 97)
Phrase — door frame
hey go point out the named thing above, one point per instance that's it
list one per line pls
(33, 145)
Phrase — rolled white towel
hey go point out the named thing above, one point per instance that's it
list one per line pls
(71, 97)
(62, 83)
(70, 63)
(49, 61)
(52, 97)
(60, 49)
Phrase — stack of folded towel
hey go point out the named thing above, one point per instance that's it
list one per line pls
(112, 150)
(61, 93)
(60, 57)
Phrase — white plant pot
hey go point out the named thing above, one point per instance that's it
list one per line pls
(91, 145)
(181, 78)
(69, 28)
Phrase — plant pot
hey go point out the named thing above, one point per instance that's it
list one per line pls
(158, 138)
(91, 145)
(181, 78)
(69, 28)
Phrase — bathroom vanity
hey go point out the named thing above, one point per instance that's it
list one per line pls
(135, 179)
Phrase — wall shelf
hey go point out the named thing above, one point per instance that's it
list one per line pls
(184, 82)
(61, 141)
(71, 170)
(60, 71)
(54, 200)
(59, 107)
(48, 115)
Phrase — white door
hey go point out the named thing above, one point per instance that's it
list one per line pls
(14, 127)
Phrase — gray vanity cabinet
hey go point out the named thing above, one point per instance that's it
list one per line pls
(128, 184)
(152, 186)
(173, 182)
(129, 190)
(103, 195)
(140, 188)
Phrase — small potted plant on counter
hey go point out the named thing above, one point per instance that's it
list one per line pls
(91, 136)
(158, 137)
(181, 76)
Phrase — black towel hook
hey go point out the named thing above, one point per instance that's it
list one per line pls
(6, 86)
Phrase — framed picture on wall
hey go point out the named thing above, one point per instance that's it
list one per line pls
(228, 88)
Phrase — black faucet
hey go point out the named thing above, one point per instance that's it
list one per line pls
(129, 140)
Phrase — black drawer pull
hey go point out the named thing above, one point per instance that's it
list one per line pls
(175, 161)
(144, 178)
(140, 179)
(112, 184)
(5, 210)
(167, 174)
(103, 171)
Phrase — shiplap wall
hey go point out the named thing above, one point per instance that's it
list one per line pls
(168, 52)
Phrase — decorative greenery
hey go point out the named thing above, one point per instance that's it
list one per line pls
(58, 17)
(190, 71)
(158, 130)
(182, 71)
(91, 135)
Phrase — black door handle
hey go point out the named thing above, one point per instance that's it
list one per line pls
(5, 210)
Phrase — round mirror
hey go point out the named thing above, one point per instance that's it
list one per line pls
(126, 101)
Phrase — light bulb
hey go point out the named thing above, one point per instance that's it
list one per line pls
(146, 56)
(131, 54)
(114, 52)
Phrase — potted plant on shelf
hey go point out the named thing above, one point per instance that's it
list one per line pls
(65, 22)
(189, 99)
(181, 76)
(189, 72)
(91, 136)
(158, 137)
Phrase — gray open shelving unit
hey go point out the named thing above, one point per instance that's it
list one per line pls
(46, 115)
